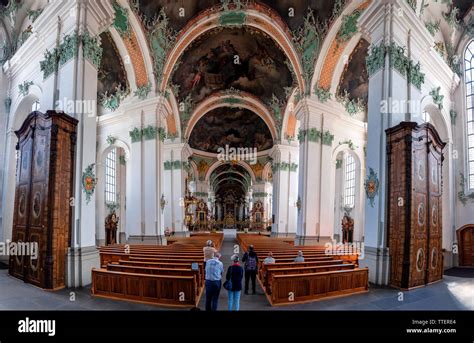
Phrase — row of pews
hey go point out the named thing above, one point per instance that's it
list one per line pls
(171, 275)
(320, 276)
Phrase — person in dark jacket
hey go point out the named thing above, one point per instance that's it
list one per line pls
(251, 266)
(235, 273)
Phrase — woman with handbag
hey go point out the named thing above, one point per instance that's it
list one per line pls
(233, 284)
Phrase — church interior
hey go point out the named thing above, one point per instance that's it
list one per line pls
(135, 131)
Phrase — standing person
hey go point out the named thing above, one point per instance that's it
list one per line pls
(214, 271)
(235, 274)
(209, 251)
(251, 264)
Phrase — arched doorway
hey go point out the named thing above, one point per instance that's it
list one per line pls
(465, 237)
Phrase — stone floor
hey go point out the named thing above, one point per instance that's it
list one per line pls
(453, 293)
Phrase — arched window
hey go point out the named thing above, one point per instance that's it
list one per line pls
(111, 177)
(349, 181)
(469, 79)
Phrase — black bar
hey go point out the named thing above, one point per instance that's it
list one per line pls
(77, 325)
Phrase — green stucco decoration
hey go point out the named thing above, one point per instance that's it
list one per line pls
(437, 97)
(143, 91)
(24, 88)
(323, 94)
(92, 51)
(376, 59)
(161, 38)
(232, 14)
(349, 26)
(136, 135)
(121, 23)
(112, 101)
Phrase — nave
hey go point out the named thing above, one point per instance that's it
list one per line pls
(452, 293)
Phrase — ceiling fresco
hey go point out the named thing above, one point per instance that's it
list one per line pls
(464, 6)
(294, 11)
(111, 72)
(237, 128)
(224, 58)
(178, 11)
(181, 11)
(355, 78)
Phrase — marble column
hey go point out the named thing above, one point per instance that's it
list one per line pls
(309, 176)
(174, 186)
(76, 83)
(285, 190)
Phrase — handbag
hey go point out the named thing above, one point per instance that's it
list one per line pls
(228, 284)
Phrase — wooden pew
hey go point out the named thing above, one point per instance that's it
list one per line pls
(171, 275)
(112, 257)
(270, 273)
(296, 265)
(322, 275)
(157, 271)
(166, 265)
(302, 288)
(163, 290)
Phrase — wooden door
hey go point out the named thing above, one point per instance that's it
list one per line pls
(21, 215)
(434, 265)
(466, 246)
(397, 218)
(414, 220)
(419, 213)
(39, 214)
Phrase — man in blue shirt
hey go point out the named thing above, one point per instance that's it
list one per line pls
(214, 271)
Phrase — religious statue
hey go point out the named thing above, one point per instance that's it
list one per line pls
(347, 229)
(111, 225)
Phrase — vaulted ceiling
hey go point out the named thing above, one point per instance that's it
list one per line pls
(233, 127)
(262, 65)
(230, 180)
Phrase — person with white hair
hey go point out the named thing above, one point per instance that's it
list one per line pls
(214, 271)
(209, 251)
(233, 284)
(300, 257)
(269, 259)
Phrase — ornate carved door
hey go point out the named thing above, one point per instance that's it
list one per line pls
(419, 221)
(466, 246)
(21, 215)
(415, 157)
(434, 267)
(42, 215)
